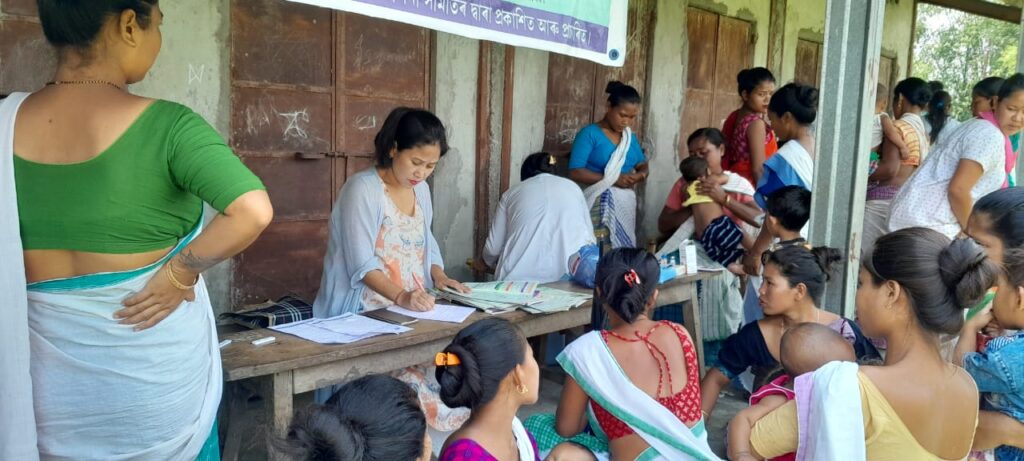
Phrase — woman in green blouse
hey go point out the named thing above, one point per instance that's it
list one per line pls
(109, 191)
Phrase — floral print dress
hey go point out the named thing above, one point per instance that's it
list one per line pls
(401, 248)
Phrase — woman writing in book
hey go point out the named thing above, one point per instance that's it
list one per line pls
(380, 251)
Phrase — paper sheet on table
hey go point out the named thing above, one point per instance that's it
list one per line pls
(343, 329)
(554, 300)
(441, 313)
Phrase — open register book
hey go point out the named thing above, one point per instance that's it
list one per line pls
(500, 297)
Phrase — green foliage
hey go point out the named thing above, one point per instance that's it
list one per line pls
(959, 49)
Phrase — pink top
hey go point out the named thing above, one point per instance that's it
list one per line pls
(775, 387)
(468, 450)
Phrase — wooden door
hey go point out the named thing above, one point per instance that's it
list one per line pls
(808, 62)
(719, 47)
(885, 73)
(310, 89)
(735, 52)
(575, 95)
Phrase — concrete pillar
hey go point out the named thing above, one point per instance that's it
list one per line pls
(1019, 172)
(456, 67)
(853, 39)
(666, 80)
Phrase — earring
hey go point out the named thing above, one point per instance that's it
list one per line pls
(522, 389)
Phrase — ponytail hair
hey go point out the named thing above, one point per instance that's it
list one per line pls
(941, 278)
(938, 113)
(619, 93)
(408, 128)
(811, 267)
(487, 350)
(374, 418)
(618, 289)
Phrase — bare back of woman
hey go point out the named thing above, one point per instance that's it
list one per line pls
(68, 125)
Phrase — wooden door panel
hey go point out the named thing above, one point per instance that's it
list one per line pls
(268, 120)
(20, 7)
(808, 62)
(723, 105)
(364, 67)
(287, 258)
(697, 114)
(719, 48)
(576, 95)
(384, 58)
(298, 189)
(570, 101)
(361, 118)
(280, 42)
(639, 30)
(885, 73)
(702, 37)
(561, 123)
(733, 53)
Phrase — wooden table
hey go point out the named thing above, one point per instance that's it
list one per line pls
(293, 365)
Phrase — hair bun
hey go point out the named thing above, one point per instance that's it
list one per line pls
(807, 96)
(741, 76)
(968, 272)
(353, 441)
(612, 86)
(461, 385)
(827, 259)
(317, 433)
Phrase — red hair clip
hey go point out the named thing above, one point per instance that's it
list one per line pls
(632, 278)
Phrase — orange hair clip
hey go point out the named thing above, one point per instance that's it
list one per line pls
(446, 359)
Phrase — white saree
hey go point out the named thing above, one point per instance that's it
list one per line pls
(100, 390)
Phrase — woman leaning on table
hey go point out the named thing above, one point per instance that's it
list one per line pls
(381, 252)
(108, 193)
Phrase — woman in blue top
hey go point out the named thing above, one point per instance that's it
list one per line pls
(607, 161)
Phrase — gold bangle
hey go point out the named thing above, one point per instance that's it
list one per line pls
(174, 280)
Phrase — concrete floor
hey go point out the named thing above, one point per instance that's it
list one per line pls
(729, 403)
